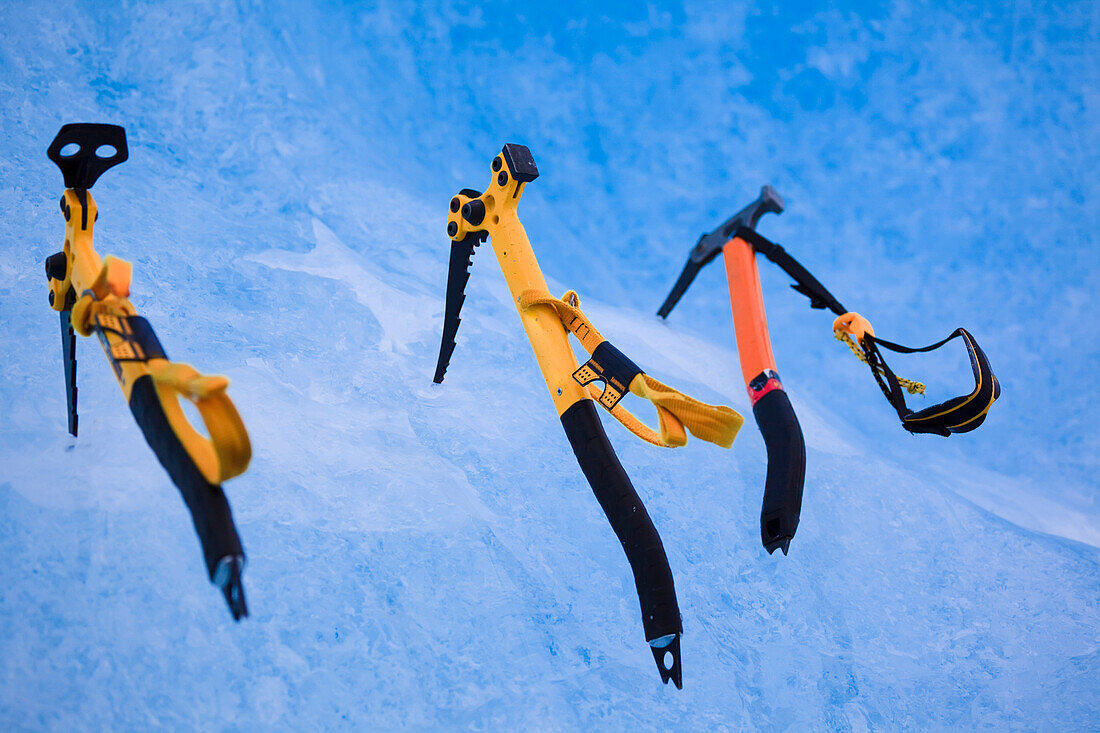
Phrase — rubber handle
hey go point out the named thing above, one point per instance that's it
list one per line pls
(786, 469)
(207, 503)
(628, 518)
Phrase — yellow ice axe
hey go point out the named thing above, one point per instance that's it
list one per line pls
(92, 296)
(549, 321)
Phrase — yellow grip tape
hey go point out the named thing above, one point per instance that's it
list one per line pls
(677, 414)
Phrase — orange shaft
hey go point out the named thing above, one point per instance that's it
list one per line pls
(750, 323)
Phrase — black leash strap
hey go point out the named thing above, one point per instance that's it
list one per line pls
(806, 283)
(956, 415)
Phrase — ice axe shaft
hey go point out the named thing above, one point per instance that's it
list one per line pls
(474, 217)
(782, 502)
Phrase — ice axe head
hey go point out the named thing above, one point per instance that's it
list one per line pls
(768, 202)
(711, 244)
(513, 169)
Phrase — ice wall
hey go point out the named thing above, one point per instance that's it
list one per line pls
(430, 556)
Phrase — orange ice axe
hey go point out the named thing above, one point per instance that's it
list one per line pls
(739, 242)
(770, 406)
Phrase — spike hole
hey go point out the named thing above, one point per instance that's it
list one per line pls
(667, 661)
(559, 391)
(496, 219)
(70, 150)
(106, 151)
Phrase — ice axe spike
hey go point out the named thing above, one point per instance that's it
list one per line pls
(709, 245)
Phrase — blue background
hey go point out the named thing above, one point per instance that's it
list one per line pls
(430, 556)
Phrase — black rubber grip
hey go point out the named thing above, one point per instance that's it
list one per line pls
(628, 518)
(206, 502)
(786, 469)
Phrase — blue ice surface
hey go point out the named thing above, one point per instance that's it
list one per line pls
(430, 557)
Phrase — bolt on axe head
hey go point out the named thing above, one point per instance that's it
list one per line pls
(709, 245)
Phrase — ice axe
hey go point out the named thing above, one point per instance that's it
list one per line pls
(739, 242)
(549, 322)
(772, 409)
(92, 296)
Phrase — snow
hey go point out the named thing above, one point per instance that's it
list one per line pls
(429, 556)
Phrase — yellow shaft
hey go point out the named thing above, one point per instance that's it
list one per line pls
(78, 237)
(548, 337)
(111, 284)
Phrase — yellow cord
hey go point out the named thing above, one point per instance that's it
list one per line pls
(911, 386)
